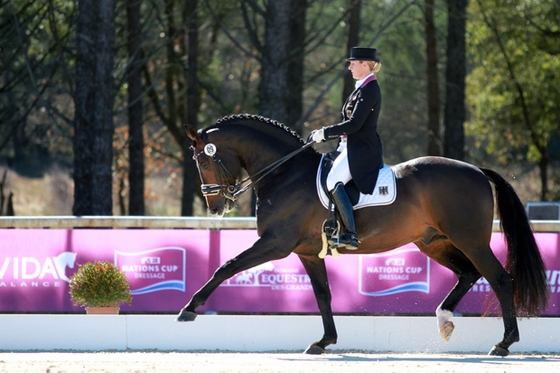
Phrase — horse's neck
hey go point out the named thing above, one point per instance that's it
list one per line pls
(256, 156)
(294, 172)
(256, 161)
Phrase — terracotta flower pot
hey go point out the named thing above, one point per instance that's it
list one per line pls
(102, 310)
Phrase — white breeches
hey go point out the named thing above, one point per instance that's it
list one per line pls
(340, 171)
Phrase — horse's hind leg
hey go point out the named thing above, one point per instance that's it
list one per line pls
(449, 256)
(317, 272)
(469, 266)
(502, 285)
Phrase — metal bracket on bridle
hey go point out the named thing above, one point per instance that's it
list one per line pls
(210, 149)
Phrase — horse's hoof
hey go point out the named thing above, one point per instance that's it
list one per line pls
(186, 316)
(499, 351)
(446, 331)
(314, 350)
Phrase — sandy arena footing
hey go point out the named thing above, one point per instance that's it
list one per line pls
(225, 362)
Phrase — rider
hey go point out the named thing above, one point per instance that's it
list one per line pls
(361, 151)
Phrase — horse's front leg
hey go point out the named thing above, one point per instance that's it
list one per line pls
(317, 272)
(262, 251)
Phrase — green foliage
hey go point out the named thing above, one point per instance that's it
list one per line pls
(35, 107)
(38, 53)
(99, 284)
(513, 88)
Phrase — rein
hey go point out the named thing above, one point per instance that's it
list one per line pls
(233, 191)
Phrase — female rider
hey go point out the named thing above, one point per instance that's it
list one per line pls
(361, 151)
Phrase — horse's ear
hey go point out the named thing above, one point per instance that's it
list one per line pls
(192, 133)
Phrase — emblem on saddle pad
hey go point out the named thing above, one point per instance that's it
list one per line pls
(383, 190)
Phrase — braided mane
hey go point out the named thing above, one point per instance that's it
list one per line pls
(231, 118)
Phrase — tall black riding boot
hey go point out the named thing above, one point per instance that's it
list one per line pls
(349, 237)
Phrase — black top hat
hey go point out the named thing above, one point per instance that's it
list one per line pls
(363, 54)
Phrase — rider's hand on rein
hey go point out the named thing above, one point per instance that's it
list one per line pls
(317, 135)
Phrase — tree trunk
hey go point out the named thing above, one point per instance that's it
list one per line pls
(353, 41)
(102, 180)
(543, 168)
(84, 97)
(274, 83)
(455, 112)
(434, 139)
(94, 99)
(294, 100)
(135, 111)
(189, 168)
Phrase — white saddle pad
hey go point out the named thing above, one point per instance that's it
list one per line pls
(384, 193)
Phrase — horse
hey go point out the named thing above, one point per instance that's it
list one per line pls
(444, 206)
(63, 260)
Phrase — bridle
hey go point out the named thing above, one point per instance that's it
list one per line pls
(224, 187)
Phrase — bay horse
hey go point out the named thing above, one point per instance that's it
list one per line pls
(444, 206)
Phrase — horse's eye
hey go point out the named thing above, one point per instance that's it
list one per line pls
(205, 166)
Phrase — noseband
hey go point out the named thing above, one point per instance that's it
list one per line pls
(224, 187)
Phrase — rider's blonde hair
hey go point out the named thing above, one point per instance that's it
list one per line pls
(374, 66)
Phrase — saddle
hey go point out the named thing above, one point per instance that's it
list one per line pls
(385, 193)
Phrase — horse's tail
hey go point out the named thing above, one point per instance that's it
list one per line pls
(524, 262)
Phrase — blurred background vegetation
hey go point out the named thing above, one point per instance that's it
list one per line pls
(93, 93)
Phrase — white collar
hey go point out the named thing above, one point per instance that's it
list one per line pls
(361, 81)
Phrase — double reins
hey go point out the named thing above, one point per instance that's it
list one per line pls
(233, 191)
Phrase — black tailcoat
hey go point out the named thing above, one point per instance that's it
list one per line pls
(365, 151)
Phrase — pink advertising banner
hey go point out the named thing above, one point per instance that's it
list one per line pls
(165, 267)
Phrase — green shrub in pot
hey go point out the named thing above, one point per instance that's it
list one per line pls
(99, 284)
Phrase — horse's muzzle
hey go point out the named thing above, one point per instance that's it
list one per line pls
(220, 206)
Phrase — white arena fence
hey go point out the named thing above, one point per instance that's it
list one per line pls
(69, 222)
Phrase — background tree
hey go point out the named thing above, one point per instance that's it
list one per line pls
(514, 89)
(175, 99)
(455, 75)
(434, 138)
(355, 7)
(274, 60)
(33, 46)
(94, 99)
(296, 62)
(135, 109)
(199, 63)
(193, 104)
(403, 80)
